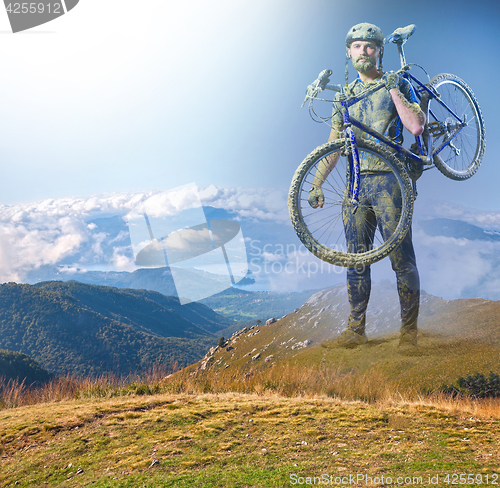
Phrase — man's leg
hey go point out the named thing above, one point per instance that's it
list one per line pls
(402, 258)
(404, 264)
(358, 290)
(359, 228)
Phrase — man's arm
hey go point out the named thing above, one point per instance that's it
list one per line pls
(410, 114)
(325, 167)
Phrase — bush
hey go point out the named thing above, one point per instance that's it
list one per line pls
(475, 386)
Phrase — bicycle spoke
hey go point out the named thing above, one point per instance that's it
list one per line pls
(339, 225)
(461, 156)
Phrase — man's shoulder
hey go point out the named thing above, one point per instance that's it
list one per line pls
(355, 86)
(356, 83)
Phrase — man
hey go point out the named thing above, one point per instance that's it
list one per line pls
(380, 111)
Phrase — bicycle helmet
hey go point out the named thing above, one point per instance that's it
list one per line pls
(365, 32)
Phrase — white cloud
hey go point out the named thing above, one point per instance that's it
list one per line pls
(47, 232)
(273, 257)
(186, 239)
(63, 232)
(256, 203)
(121, 262)
(451, 267)
(487, 219)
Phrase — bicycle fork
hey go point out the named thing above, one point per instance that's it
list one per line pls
(353, 176)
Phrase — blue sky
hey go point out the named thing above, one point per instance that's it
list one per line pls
(120, 99)
(122, 95)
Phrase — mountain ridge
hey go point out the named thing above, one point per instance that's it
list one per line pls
(50, 324)
(456, 338)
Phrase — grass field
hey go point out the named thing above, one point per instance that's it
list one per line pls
(241, 440)
(261, 411)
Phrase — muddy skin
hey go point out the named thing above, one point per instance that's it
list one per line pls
(414, 107)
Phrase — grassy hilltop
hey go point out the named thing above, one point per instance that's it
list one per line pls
(277, 405)
(238, 440)
(457, 338)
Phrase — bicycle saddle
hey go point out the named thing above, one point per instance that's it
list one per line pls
(401, 35)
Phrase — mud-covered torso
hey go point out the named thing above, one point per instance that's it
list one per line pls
(378, 112)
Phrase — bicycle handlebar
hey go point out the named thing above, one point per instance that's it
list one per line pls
(318, 85)
(321, 83)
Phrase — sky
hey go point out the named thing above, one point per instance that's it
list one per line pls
(114, 96)
(122, 98)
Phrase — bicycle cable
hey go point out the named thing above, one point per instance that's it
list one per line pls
(319, 118)
(418, 66)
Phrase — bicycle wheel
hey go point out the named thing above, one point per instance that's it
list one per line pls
(461, 157)
(341, 233)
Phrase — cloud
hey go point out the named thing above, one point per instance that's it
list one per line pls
(456, 267)
(294, 270)
(253, 203)
(91, 233)
(185, 240)
(66, 230)
(121, 260)
(487, 219)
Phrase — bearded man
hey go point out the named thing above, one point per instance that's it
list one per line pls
(380, 111)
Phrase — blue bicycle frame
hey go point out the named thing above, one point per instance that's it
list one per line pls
(402, 151)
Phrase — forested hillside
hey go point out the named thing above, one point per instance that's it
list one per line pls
(78, 329)
(20, 367)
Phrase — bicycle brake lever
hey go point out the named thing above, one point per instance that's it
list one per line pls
(311, 92)
(317, 85)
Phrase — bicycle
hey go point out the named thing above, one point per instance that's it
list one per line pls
(453, 141)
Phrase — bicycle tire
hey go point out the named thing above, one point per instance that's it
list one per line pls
(461, 158)
(323, 230)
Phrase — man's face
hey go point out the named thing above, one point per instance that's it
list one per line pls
(364, 55)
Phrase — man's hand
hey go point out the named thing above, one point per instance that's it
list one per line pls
(316, 198)
(391, 80)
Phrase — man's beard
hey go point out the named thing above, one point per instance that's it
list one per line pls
(363, 65)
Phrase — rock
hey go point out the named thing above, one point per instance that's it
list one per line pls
(257, 356)
(229, 348)
(270, 321)
(269, 358)
(206, 362)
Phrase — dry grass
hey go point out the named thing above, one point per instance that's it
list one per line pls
(17, 394)
(237, 440)
(287, 381)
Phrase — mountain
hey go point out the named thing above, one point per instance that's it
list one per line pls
(143, 306)
(80, 329)
(20, 367)
(236, 304)
(456, 338)
(457, 229)
(249, 306)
